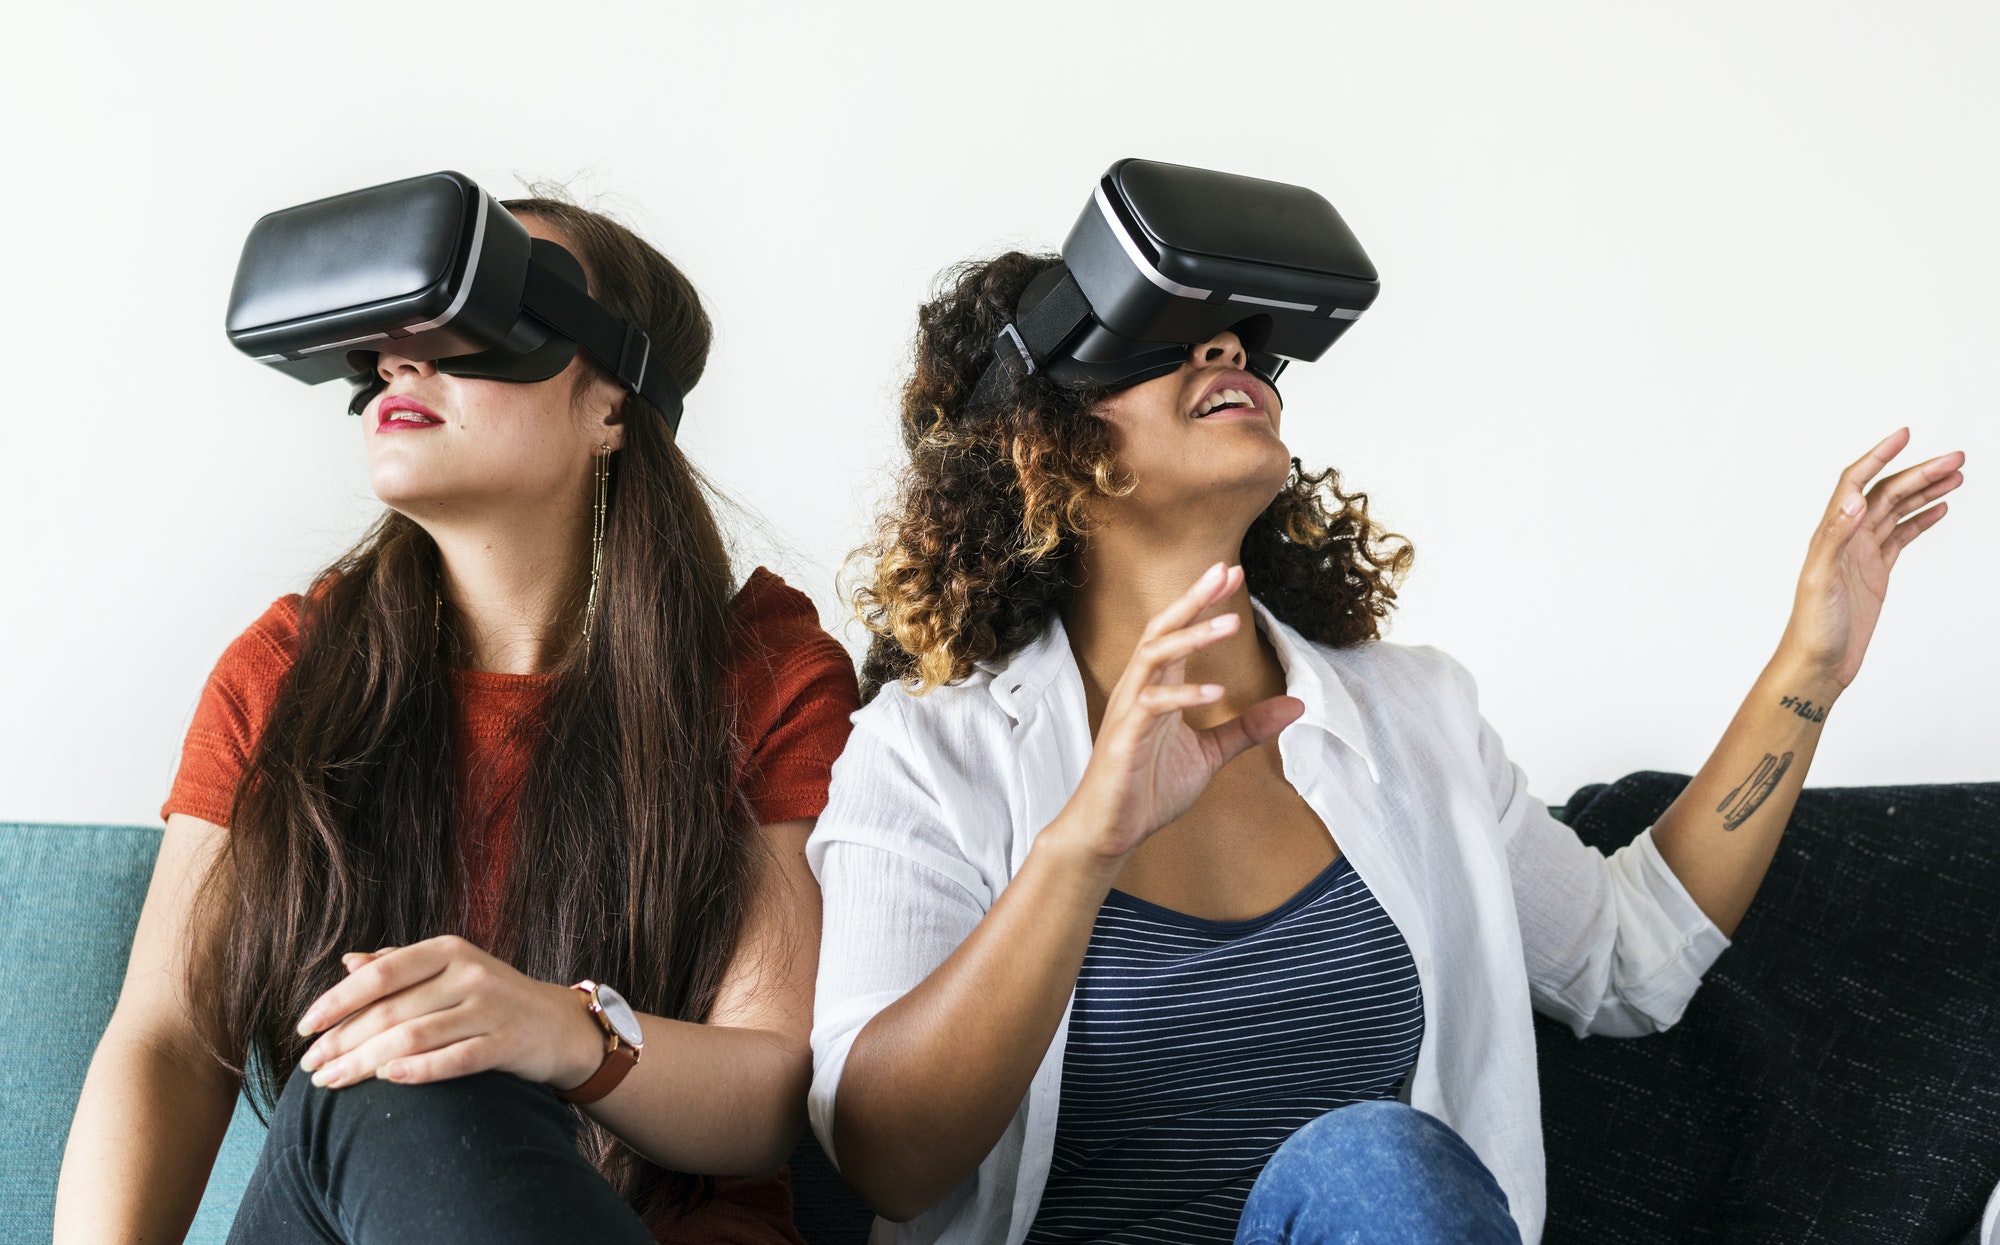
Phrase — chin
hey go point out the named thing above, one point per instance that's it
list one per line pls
(1275, 466)
(400, 488)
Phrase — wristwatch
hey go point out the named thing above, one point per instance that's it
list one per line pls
(622, 1042)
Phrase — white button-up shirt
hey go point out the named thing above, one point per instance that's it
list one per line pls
(938, 798)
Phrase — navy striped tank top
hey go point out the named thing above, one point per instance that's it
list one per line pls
(1197, 1047)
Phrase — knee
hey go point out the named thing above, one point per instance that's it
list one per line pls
(1377, 1169)
(381, 1116)
(1379, 1137)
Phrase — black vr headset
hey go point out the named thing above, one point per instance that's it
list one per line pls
(1165, 257)
(435, 270)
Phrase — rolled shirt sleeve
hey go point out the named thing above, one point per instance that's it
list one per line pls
(898, 895)
(1614, 945)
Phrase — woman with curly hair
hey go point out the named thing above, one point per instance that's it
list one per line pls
(1163, 900)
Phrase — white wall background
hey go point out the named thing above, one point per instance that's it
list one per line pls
(1652, 275)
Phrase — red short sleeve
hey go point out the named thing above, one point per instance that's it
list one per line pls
(795, 691)
(235, 706)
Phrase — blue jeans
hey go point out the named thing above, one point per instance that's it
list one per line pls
(1380, 1173)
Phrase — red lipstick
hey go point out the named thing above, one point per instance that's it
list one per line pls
(400, 413)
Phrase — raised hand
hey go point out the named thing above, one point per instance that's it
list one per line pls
(443, 1008)
(1148, 764)
(1846, 576)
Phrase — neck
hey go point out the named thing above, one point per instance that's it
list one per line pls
(512, 581)
(1130, 575)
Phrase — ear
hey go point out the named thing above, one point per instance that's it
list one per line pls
(606, 409)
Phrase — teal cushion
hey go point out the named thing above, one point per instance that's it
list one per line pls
(69, 899)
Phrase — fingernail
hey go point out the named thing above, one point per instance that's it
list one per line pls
(310, 1061)
(1222, 622)
(309, 1024)
(321, 1077)
(1211, 689)
(1852, 506)
(389, 1071)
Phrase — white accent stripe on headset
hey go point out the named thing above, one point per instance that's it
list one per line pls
(341, 345)
(1273, 302)
(471, 267)
(1138, 257)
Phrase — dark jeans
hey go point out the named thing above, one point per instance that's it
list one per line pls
(1378, 1172)
(487, 1158)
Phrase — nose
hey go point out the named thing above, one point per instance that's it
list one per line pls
(391, 367)
(1224, 348)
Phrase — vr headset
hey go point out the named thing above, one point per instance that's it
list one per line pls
(435, 270)
(1165, 257)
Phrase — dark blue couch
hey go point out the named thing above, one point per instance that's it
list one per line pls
(1837, 1078)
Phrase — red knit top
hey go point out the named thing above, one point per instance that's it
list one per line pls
(793, 687)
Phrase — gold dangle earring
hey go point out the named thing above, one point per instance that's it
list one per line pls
(601, 490)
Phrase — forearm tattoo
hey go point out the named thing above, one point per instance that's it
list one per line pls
(1804, 708)
(1750, 794)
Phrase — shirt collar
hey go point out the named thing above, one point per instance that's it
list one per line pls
(1021, 680)
(1314, 680)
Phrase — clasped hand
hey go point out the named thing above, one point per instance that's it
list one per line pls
(443, 1008)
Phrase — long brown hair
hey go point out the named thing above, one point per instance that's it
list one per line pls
(345, 835)
(981, 548)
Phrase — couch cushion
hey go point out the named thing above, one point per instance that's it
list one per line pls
(1835, 1077)
(69, 898)
(1832, 1081)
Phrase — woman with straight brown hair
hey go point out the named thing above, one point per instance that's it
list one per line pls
(526, 738)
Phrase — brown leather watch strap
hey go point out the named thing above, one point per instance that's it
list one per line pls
(619, 1059)
(620, 1055)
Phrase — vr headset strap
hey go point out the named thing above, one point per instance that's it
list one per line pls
(619, 345)
(1055, 319)
(1026, 342)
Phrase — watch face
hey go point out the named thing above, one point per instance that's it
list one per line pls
(624, 1021)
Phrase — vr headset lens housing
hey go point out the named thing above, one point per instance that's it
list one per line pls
(433, 269)
(1166, 256)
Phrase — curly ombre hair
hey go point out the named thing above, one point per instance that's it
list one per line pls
(981, 549)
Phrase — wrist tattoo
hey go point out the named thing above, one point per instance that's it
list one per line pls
(1804, 708)
(1750, 794)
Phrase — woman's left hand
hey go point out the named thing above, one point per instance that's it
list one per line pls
(443, 1008)
(1847, 568)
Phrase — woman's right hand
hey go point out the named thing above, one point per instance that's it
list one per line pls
(1148, 765)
